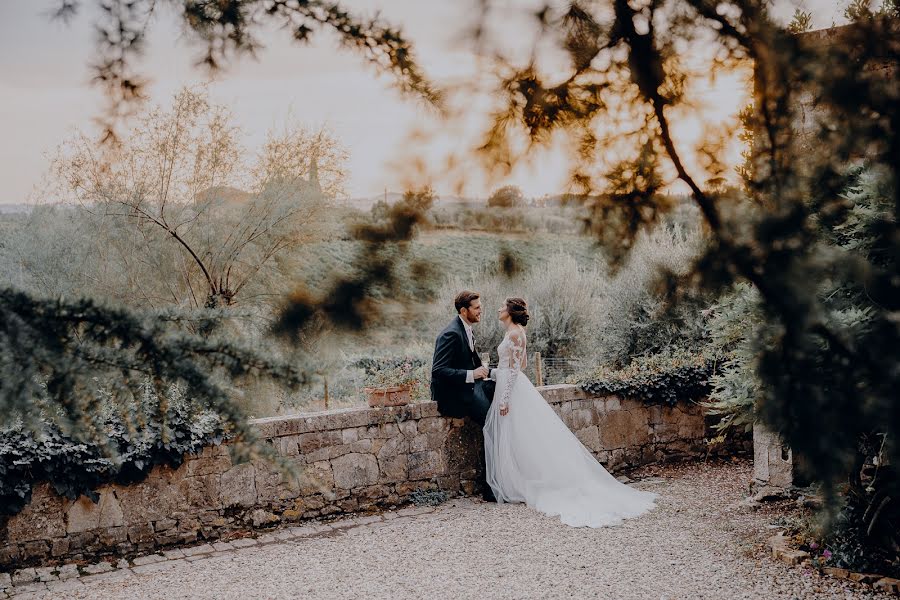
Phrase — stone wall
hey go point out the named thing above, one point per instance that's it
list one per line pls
(350, 460)
(773, 461)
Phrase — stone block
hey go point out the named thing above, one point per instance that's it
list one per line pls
(463, 450)
(164, 525)
(432, 440)
(157, 497)
(449, 483)
(201, 491)
(35, 550)
(791, 556)
(555, 394)
(272, 486)
(772, 460)
(590, 437)
(68, 572)
(197, 550)
(382, 431)
(836, 572)
(82, 540)
(424, 465)
(148, 559)
(207, 464)
(373, 492)
(40, 519)
(327, 453)
(46, 574)
(433, 425)
(888, 585)
(9, 554)
(84, 514)
(355, 470)
(348, 436)
(237, 486)
(113, 536)
(368, 445)
(310, 442)
(394, 446)
(59, 547)
(99, 567)
(260, 517)
(24, 576)
(622, 428)
(140, 533)
(315, 478)
(393, 469)
(410, 487)
(581, 418)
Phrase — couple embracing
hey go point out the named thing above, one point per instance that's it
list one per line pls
(531, 456)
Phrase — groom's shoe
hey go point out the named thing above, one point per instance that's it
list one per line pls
(487, 495)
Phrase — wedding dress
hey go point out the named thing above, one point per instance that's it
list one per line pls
(533, 457)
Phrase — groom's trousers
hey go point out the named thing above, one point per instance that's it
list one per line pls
(480, 402)
(477, 408)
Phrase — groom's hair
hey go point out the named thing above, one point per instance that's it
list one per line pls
(464, 299)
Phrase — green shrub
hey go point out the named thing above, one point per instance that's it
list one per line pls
(734, 328)
(666, 378)
(636, 315)
(75, 468)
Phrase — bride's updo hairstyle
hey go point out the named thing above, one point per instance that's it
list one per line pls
(517, 309)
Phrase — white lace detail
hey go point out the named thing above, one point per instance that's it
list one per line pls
(511, 352)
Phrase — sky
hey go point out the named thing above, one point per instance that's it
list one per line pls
(45, 92)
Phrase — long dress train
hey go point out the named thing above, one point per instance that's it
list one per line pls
(533, 457)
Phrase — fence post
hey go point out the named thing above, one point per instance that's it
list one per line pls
(326, 391)
(538, 369)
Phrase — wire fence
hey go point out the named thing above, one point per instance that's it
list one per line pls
(555, 369)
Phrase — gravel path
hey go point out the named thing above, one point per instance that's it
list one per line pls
(699, 543)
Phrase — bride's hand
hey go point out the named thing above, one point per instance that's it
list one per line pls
(504, 409)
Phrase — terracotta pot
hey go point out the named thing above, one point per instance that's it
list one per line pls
(388, 396)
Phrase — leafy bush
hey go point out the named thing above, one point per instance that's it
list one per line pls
(636, 317)
(507, 196)
(666, 378)
(734, 337)
(75, 468)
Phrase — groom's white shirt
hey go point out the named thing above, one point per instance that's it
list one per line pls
(470, 375)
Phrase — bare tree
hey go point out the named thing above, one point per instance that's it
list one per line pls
(169, 199)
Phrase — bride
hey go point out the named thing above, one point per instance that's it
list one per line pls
(532, 456)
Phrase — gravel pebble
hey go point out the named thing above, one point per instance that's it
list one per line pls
(700, 542)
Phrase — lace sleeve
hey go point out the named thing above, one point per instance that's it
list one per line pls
(516, 362)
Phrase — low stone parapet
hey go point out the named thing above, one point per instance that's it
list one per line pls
(349, 460)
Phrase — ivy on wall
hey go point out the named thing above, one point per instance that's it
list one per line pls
(664, 381)
(74, 469)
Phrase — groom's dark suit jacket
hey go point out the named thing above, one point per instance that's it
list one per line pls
(452, 358)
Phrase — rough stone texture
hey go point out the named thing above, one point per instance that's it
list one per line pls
(348, 461)
(773, 464)
(85, 515)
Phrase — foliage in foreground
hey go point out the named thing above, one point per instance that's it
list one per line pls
(56, 354)
(74, 468)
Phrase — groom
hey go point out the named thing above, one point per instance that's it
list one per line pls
(460, 385)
